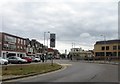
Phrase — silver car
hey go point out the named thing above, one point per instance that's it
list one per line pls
(35, 59)
(3, 61)
(16, 60)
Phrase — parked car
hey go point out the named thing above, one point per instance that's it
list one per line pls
(16, 60)
(3, 61)
(49, 57)
(29, 60)
(34, 59)
(57, 57)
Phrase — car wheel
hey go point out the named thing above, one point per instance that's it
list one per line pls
(5, 63)
(19, 62)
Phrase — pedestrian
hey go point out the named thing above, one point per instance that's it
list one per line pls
(46, 58)
(42, 57)
(70, 57)
(109, 59)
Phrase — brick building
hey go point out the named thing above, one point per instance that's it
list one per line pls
(34, 47)
(11, 45)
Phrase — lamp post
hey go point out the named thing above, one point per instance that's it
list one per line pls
(48, 37)
(45, 53)
(44, 37)
(105, 47)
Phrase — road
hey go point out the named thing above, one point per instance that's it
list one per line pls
(77, 72)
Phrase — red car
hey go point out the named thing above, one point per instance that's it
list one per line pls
(29, 60)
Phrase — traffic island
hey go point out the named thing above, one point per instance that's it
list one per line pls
(21, 71)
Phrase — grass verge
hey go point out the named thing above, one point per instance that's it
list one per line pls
(22, 70)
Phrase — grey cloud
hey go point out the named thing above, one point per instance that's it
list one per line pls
(71, 21)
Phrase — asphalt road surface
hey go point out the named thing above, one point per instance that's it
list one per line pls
(77, 72)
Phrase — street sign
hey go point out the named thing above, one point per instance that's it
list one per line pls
(52, 40)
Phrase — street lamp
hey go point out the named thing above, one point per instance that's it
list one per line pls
(45, 37)
(45, 53)
(105, 47)
(48, 37)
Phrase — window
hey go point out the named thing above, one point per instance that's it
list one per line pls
(21, 41)
(114, 54)
(5, 46)
(118, 53)
(107, 47)
(18, 47)
(108, 54)
(21, 47)
(24, 42)
(118, 47)
(103, 48)
(99, 53)
(10, 39)
(12, 47)
(25, 48)
(114, 47)
(18, 40)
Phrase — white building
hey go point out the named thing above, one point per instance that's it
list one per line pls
(78, 53)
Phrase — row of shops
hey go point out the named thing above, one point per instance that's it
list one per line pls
(11, 45)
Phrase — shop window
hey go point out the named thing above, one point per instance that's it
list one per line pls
(99, 53)
(108, 53)
(4, 55)
(114, 54)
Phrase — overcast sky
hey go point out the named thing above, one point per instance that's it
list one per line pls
(81, 22)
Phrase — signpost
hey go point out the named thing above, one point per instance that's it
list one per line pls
(52, 40)
(52, 44)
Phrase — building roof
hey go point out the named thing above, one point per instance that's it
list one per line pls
(12, 35)
(50, 50)
(108, 41)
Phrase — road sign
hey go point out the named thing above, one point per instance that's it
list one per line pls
(52, 40)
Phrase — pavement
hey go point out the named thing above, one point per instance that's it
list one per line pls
(103, 62)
